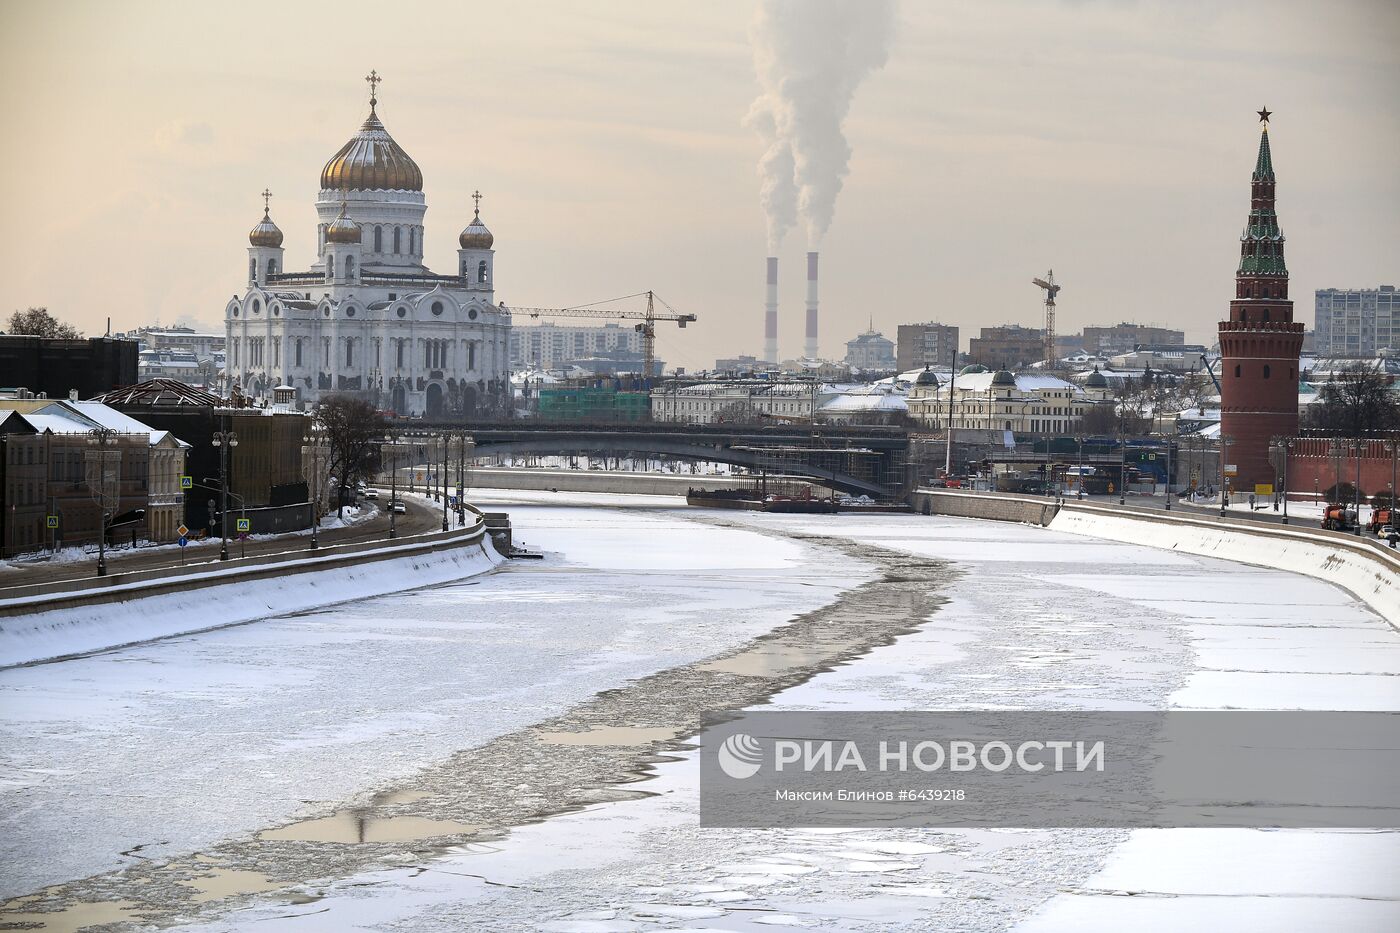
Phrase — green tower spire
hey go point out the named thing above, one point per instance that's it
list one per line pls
(1264, 165)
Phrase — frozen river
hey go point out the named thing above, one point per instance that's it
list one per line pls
(189, 748)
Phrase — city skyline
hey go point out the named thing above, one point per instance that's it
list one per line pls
(998, 141)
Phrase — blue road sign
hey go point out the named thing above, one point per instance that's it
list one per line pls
(184, 541)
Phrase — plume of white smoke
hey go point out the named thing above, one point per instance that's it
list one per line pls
(810, 56)
(776, 170)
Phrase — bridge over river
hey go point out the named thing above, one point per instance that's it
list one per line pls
(869, 460)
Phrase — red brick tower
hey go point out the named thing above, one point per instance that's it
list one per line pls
(1260, 343)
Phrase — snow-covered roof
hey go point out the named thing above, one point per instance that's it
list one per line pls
(84, 416)
(981, 382)
(866, 401)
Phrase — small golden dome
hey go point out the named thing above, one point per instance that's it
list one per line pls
(476, 236)
(265, 233)
(372, 161)
(343, 229)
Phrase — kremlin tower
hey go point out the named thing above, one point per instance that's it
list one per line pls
(1260, 343)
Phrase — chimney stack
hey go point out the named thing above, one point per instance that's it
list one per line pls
(770, 314)
(810, 348)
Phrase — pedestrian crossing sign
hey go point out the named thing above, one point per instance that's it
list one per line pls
(51, 521)
(186, 482)
(245, 524)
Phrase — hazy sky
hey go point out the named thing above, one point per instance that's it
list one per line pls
(1110, 140)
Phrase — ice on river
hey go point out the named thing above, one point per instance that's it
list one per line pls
(162, 748)
(1036, 620)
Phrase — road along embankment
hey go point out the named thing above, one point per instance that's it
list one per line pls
(53, 621)
(1369, 572)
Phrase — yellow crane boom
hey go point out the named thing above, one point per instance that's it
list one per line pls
(646, 325)
(1051, 290)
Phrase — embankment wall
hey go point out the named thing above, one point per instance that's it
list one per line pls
(1369, 572)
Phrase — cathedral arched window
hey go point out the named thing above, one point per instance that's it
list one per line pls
(397, 232)
(481, 271)
(349, 267)
(378, 239)
(398, 353)
(412, 236)
(349, 352)
(252, 270)
(272, 267)
(297, 351)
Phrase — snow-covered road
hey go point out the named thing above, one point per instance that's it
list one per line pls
(189, 741)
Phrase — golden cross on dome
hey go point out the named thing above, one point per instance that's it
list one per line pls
(476, 196)
(267, 200)
(373, 80)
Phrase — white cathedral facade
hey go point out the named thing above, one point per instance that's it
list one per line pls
(368, 318)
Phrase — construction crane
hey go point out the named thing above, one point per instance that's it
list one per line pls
(646, 325)
(1051, 290)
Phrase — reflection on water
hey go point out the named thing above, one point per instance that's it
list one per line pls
(352, 826)
(71, 918)
(220, 883)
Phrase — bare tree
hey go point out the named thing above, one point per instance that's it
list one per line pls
(38, 322)
(1359, 402)
(353, 429)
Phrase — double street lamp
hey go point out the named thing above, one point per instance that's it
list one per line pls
(392, 445)
(105, 489)
(1279, 447)
(1358, 447)
(224, 440)
(313, 439)
(1225, 443)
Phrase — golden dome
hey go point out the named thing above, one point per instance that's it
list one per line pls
(372, 161)
(476, 236)
(343, 229)
(265, 233)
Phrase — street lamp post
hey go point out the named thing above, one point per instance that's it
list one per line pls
(1279, 447)
(393, 446)
(1394, 447)
(948, 442)
(102, 439)
(446, 445)
(1225, 442)
(313, 445)
(1169, 471)
(224, 440)
(1122, 469)
(433, 441)
(1358, 447)
(1080, 440)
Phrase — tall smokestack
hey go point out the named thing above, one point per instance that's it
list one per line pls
(810, 348)
(770, 314)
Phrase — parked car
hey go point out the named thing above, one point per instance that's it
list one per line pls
(397, 507)
(371, 493)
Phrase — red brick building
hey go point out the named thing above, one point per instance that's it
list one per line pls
(1260, 343)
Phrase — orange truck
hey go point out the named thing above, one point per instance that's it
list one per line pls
(1339, 518)
(1380, 518)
